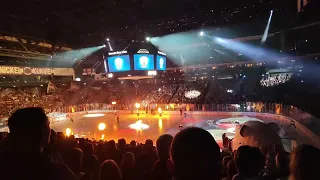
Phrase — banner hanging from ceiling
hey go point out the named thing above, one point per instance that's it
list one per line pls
(16, 70)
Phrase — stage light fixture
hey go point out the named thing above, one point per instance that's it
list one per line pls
(201, 33)
(147, 38)
(104, 46)
(108, 39)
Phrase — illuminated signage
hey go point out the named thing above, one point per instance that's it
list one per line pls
(15, 70)
(152, 73)
(117, 52)
(143, 51)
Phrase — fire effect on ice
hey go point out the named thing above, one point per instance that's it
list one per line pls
(139, 125)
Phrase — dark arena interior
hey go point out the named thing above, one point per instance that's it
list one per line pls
(159, 90)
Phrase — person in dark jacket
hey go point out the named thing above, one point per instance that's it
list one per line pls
(160, 170)
(21, 153)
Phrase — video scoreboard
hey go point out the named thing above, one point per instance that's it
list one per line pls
(140, 61)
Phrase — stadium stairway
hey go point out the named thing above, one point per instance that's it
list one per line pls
(175, 92)
(205, 92)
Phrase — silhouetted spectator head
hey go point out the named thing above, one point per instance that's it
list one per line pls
(249, 161)
(88, 148)
(163, 146)
(133, 143)
(128, 160)
(121, 144)
(73, 158)
(90, 160)
(304, 163)
(30, 126)
(224, 135)
(111, 145)
(195, 155)
(149, 143)
(231, 169)
(110, 170)
(225, 162)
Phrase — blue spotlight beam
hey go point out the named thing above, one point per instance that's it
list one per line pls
(110, 47)
(254, 53)
(266, 31)
(262, 54)
(71, 56)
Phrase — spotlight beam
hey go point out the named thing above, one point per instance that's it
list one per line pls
(110, 47)
(250, 51)
(73, 56)
(266, 31)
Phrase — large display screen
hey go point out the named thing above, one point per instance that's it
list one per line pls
(143, 62)
(119, 63)
(161, 62)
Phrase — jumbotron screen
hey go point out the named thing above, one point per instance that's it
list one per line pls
(143, 62)
(161, 63)
(119, 63)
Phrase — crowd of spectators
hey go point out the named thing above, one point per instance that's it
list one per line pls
(62, 96)
(13, 98)
(33, 151)
(162, 94)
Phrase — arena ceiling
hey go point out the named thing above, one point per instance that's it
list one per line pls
(90, 22)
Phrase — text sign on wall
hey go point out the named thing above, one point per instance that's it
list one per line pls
(15, 70)
(143, 51)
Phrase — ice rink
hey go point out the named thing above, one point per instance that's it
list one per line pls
(148, 127)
